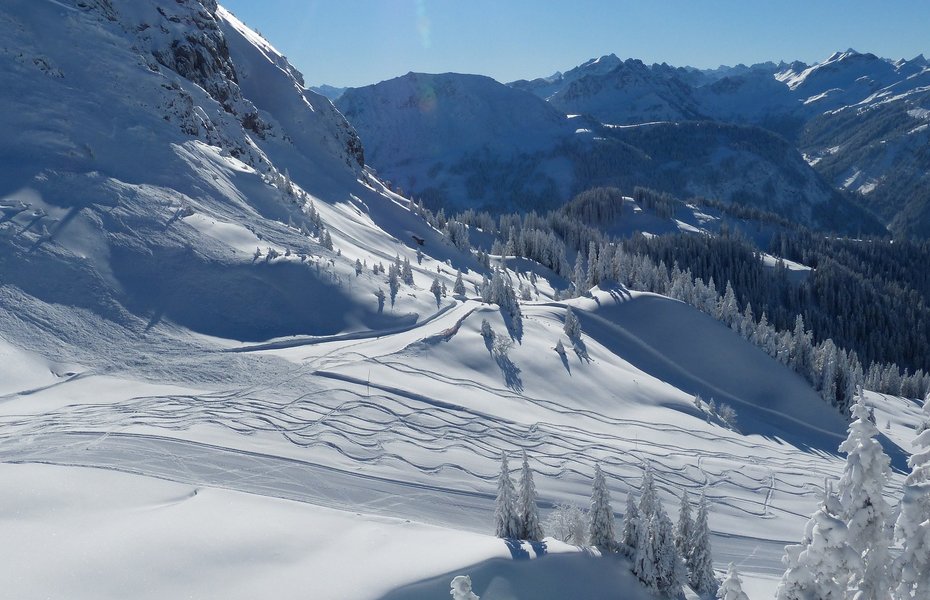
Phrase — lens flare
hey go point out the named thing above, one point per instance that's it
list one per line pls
(423, 24)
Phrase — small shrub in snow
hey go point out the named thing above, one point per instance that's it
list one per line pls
(461, 588)
(568, 523)
(732, 586)
(727, 414)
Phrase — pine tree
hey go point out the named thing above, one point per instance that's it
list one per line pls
(507, 523)
(527, 511)
(732, 586)
(459, 287)
(700, 558)
(670, 569)
(864, 509)
(407, 272)
(819, 567)
(913, 525)
(631, 527)
(393, 283)
(579, 279)
(644, 554)
(684, 535)
(327, 240)
(601, 514)
(436, 289)
(572, 327)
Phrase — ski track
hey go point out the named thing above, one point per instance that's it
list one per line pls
(343, 441)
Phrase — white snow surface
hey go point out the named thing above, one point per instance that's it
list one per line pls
(181, 419)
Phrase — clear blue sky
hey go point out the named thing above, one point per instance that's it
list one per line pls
(357, 42)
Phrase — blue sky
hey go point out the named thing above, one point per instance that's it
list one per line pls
(357, 42)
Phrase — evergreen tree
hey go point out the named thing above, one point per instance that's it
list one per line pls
(684, 535)
(864, 509)
(632, 524)
(644, 554)
(407, 272)
(602, 515)
(527, 511)
(670, 570)
(393, 283)
(507, 523)
(436, 289)
(732, 586)
(459, 287)
(572, 326)
(327, 240)
(820, 566)
(913, 525)
(700, 558)
(579, 279)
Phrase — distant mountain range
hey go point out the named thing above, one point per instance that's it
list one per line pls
(858, 121)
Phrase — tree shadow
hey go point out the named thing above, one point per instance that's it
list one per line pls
(511, 372)
(517, 551)
(564, 356)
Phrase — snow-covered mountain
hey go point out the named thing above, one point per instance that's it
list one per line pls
(208, 389)
(464, 141)
(838, 112)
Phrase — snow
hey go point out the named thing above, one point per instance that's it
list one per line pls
(180, 419)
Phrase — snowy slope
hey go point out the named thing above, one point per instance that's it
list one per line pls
(181, 417)
(447, 136)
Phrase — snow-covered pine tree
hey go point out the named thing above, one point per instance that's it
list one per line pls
(700, 557)
(459, 287)
(819, 567)
(393, 283)
(578, 278)
(684, 533)
(572, 326)
(358, 267)
(632, 523)
(326, 240)
(731, 588)
(507, 523)
(670, 569)
(380, 296)
(560, 348)
(527, 511)
(461, 588)
(864, 509)
(436, 289)
(644, 550)
(602, 515)
(913, 525)
(407, 272)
